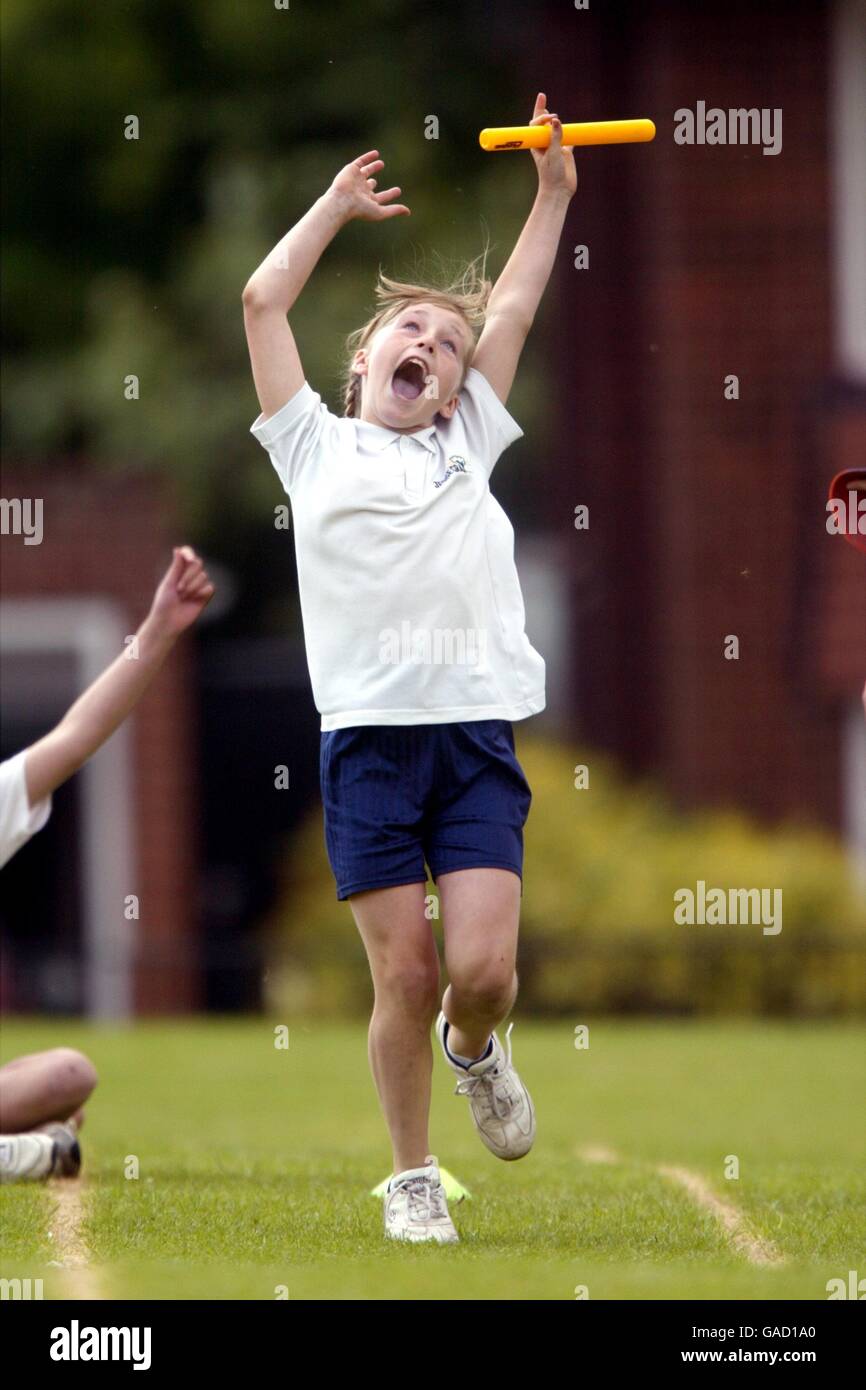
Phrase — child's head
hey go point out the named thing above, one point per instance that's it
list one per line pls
(434, 327)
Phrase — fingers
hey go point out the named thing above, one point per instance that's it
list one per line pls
(201, 591)
(201, 588)
(395, 208)
(367, 165)
(189, 578)
(177, 566)
(192, 582)
(368, 170)
(550, 118)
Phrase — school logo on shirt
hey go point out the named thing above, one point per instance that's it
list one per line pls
(456, 464)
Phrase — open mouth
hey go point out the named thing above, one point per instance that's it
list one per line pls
(408, 380)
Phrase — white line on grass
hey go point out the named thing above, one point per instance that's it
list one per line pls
(756, 1250)
(79, 1278)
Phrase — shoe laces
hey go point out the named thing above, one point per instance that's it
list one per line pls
(426, 1199)
(493, 1084)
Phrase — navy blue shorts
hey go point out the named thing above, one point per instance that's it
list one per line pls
(397, 794)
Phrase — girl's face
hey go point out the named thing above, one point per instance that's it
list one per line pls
(412, 368)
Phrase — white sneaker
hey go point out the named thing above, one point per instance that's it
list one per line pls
(501, 1105)
(26, 1156)
(415, 1206)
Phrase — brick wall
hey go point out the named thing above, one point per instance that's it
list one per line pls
(704, 261)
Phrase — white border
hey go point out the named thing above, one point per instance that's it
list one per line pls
(847, 78)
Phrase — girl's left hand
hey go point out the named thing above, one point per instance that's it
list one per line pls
(555, 165)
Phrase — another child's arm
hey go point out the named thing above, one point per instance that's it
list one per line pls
(517, 293)
(271, 290)
(181, 596)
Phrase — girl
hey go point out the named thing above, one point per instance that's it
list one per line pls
(414, 629)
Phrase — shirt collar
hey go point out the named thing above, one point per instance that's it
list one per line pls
(378, 437)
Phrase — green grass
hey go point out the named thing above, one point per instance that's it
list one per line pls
(255, 1165)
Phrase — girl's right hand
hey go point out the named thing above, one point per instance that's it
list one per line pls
(184, 591)
(353, 190)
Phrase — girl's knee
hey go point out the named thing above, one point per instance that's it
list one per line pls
(75, 1073)
(414, 987)
(487, 991)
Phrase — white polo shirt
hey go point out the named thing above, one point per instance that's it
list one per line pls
(17, 820)
(409, 593)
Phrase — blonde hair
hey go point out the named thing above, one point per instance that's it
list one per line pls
(466, 292)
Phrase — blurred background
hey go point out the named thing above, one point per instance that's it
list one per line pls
(127, 406)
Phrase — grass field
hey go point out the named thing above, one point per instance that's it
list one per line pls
(255, 1167)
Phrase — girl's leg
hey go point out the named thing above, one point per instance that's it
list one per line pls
(480, 919)
(43, 1086)
(404, 963)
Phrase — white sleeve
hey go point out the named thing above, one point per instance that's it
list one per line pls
(488, 427)
(295, 434)
(18, 821)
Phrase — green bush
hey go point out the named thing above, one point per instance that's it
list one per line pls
(597, 930)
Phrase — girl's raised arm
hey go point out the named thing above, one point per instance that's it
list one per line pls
(517, 293)
(271, 290)
(184, 591)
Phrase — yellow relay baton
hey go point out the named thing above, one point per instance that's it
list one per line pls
(537, 137)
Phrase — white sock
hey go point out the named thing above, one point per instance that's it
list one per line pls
(466, 1061)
